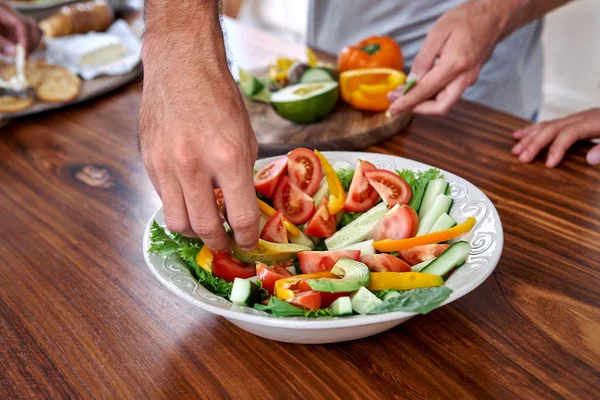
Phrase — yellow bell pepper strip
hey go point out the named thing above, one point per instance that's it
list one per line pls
(204, 258)
(284, 288)
(270, 211)
(387, 245)
(403, 280)
(367, 89)
(337, 196)
(312, 57)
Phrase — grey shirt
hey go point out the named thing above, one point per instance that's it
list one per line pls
(511, 80)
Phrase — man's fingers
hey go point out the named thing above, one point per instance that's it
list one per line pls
(7, 47)
(432, 46)
(445, 99)
(593, 156)
(535, 143)
(565, 139)
(521, 133)
(235, 180)
(174, 209)
(203, 214)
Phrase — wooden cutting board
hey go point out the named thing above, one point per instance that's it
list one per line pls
(344, 129)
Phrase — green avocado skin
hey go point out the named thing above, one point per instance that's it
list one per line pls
(306, 111)
(335, 285)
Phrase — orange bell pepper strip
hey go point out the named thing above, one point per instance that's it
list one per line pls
(367, 89)
(337, 196)
(403, 280)
(387, 245)
(284, 287)
(204, 258)
(270, 211)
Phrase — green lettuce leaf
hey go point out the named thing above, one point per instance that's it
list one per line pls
(345, 176)
(418, 182)
(416, 300)
(349, 217)
(280, 308)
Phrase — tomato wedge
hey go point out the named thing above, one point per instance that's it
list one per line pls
(274, 231)
(268, 275)
(304, 170)
(390, 186)
(225, 266)
(422, 253)
(309, 300)
(361, 195)
(384, 263)
(265, 180)
(400, 222)
(322, 224)
(318, 261)
(296, 205)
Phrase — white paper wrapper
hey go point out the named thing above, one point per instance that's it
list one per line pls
(67, 51)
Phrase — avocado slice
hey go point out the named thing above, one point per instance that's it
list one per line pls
(354, 276)
(268, 252)
(305, 103)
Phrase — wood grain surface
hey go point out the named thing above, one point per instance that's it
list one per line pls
(82, 317)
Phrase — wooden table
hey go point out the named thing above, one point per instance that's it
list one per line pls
(81, 316)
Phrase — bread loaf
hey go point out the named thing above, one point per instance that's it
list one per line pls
(90, 16)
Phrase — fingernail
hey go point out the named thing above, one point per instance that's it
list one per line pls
(393, 95)
(551, 161)
(9, 49)
(412, 75)
(515, 134)
(523, 157)
(593, 157)
(517, 148)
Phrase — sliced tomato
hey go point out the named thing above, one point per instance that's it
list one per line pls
(303, 286)
(268, 276)
(422, 253)
(309, 300)
(400, 222)
(282, 268)
(225, 266)
(328, 298)
(319, 261)
(361, 195)
(265, 180)
(274, 231)
(304, 170)
(390, 186)
(385, 263)
(322, 224)
(221, 203)
(296, 205)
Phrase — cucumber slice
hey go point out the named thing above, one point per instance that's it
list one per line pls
(357, 230)
(420, 266)
(244, 292)
(342, 306)
(366, 248)
(433, 188)
(440, 205)
(313, 75)
(453, 257)
(302, 239)
(321, 193)
(363, 301)
(391, 295)
(443, 222)
(250, 85)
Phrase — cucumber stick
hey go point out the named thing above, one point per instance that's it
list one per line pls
(244, 292)
(357, 230)
(433, 188)
(441, 204)
(366, 248)
(342, 306)
(321, 193)
(420, 266)
(453, 257)
(363, 301)
(443, 222)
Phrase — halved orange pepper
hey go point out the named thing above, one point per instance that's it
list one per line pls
(367, 89)
(388, 245)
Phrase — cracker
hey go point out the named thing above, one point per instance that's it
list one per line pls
(15, 104)
(58, 86)
(34, 72)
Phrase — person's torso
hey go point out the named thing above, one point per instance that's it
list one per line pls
(510, 80)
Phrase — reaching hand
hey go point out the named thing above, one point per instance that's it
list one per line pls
(17, 29)
(562, 133)
(452, 56)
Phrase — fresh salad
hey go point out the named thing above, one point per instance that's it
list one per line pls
(335, 241)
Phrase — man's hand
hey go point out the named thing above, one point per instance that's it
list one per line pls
(16, 29)
(457, 46)
(562, 133)
(194, 130)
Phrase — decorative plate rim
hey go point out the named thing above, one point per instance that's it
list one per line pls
(483, 256)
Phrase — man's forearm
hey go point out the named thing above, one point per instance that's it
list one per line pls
(522, 12)
(185, 34)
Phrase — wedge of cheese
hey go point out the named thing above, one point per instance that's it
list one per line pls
(77, 51)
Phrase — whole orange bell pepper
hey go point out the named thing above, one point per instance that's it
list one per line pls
(373, 52)
(367, 89)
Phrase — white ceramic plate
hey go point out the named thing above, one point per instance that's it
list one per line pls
(486, 239)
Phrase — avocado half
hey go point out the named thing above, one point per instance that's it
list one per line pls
(306, 102)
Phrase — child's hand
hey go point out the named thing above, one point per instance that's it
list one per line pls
(562, 133)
